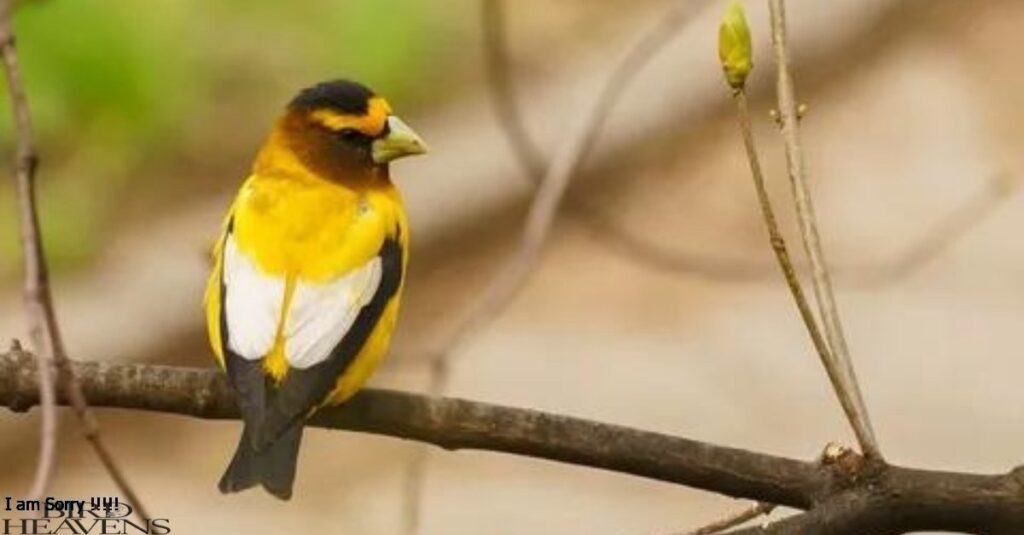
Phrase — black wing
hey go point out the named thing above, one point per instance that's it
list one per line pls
(304, 389)
(245, 376)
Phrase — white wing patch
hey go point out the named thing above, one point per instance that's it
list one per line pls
(320, 315)
(253, 304)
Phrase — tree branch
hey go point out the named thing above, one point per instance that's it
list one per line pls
(838, 363)
(38, 299)
(554, 181)
(551, 190)
(36, 296)
(845, 488)
(736, 519)
(941, 234)
(779, 248)
(908, 500)
(503, 97)
(448, 423)
(528, 155)
(944, 232)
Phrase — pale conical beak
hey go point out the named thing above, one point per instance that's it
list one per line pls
(400, 141)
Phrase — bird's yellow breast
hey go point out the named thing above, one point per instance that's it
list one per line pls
(310, 230)
(313, 230)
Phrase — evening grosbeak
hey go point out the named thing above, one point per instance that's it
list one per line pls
(308, 272)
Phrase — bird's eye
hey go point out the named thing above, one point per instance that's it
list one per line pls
(350, 134)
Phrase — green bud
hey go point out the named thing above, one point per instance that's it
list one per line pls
(734, 50)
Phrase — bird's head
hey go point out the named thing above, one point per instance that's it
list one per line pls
(340, 127)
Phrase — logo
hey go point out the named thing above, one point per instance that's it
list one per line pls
(96, 516)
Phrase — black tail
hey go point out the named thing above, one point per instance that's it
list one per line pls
(274, 467)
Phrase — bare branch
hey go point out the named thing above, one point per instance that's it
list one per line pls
(451, 424)
(544, 208)
(556, 179)
(36, 294)
(47, 462)
(38, 300)
(503, 98)
(840, 365)
(869, 494)
(970, 506)
(778, 244)
(942, 234)
(511, 121)
(733, 520)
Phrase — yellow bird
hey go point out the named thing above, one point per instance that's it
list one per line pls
(308, 272)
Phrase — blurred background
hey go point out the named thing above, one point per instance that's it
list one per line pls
(659, 309)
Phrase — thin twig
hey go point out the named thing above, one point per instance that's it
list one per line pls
(539, 219)
(38, 299)
(500, 81)
(48, 432)
(845, 381)
(528, 155)
(36, 293)
(555, 182)
(733, 520)
(945, 231)
(778, 243)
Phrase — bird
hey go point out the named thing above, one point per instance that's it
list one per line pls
(308, 272)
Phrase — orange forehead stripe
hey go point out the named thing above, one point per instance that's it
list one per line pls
(371, 123)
